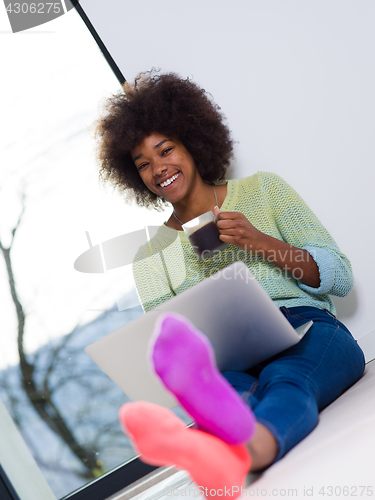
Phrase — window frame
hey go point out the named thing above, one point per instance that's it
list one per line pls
(113, 481)
(7, 492)
(120, 77)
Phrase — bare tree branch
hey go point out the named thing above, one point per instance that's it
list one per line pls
(14, 230)
(42, 400)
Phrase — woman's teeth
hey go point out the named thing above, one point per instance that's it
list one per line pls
(169, 181)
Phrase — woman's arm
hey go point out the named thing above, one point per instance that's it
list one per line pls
(236, 229)
(305, 248)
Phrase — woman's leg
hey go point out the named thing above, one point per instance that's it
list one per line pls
(263, 445)
(263, 448)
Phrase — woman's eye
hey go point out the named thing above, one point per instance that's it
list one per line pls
(166, 151)
(142, 166)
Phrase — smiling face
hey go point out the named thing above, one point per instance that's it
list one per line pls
(166, 167)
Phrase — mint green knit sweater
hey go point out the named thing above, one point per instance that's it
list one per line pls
(167, 264)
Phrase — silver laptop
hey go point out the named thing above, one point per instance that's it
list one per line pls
(243, 324)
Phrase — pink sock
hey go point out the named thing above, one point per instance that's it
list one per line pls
(184, 360)
(161, 438)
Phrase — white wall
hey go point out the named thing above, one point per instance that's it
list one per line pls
(296, 80)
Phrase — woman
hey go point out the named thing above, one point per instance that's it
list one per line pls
(166, 140)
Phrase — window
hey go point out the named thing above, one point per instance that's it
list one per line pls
(62, 404)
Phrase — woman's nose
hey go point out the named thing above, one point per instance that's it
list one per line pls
(159, 167)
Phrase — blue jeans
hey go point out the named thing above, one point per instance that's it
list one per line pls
(287, 391)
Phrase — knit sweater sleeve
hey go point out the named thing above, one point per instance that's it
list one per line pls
(300, 227)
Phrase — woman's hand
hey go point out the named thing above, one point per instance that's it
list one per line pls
(235, 228)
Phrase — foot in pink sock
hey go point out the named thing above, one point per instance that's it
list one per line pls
(161, 438)
(184, 360)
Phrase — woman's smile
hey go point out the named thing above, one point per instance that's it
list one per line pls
(166, 184)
